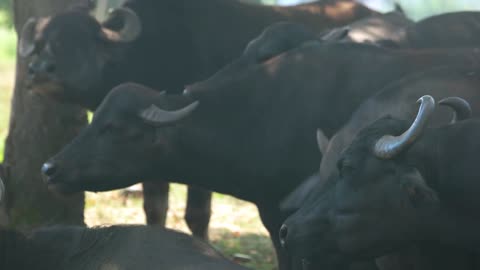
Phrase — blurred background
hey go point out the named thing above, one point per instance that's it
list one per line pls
(235, 226)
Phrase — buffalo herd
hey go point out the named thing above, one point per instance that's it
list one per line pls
(352, 131)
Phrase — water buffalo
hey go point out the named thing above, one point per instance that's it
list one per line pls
(450, 30)
(302, 232)
(242, 106)
(401, 184)
(161, 44)
(115, 247)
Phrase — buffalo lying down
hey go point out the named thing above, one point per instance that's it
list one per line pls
(116, 247)
(108, 248)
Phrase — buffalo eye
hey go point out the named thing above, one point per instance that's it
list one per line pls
(344, 167)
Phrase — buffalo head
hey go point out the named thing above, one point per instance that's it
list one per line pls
(131, 136)
(382, 197)
(67, 53)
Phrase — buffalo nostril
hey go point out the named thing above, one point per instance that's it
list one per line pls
(283, 233)
(48, 169)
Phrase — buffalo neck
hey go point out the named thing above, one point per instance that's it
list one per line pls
(447, 159)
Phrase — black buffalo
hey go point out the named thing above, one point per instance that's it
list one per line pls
(449, 30)
(302, 232)
(108, 248)
(161, 44)
(116, 247)
(254, 125)
(403, 184)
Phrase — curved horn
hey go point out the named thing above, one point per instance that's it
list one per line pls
(322, 141)
(461, 108)
(132, 26)
(159, 117)
(26, 45)
(389, 146)
(2, 190)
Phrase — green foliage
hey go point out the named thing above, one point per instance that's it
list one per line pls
(8, 43)
(6, 13)
(8, 46)
(421, 9)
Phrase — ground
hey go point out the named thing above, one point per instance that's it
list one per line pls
(235, 227)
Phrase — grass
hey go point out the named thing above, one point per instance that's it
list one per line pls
(235, 227)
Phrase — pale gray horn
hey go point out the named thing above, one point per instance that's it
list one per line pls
(336, 34)
(132, 26)
(26, 44)
(389, 146)
(461, 108)
(158, 117)
(2, 190)
(322, 141)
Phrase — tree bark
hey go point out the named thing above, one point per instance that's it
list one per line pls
(39, 127)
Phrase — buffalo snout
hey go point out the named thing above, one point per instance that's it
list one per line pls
(48, 170)
(283, 234)
(41, 67)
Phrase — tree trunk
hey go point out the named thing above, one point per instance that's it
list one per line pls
(39, 127)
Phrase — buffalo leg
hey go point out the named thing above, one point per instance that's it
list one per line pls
(197, 214)
(155, 202)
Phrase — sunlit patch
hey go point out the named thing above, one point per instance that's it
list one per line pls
(109, 266)
(340, 10)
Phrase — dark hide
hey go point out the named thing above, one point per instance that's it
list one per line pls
(255, 124)
(398, 100)
(109, 248)
(182, 41)
(450, 30)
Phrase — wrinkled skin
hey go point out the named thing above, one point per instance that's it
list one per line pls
(397, 100)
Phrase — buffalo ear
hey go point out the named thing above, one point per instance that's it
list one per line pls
(122, 25)
(156, 116)
(336, 34)
(30, 32)
(418, 192)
